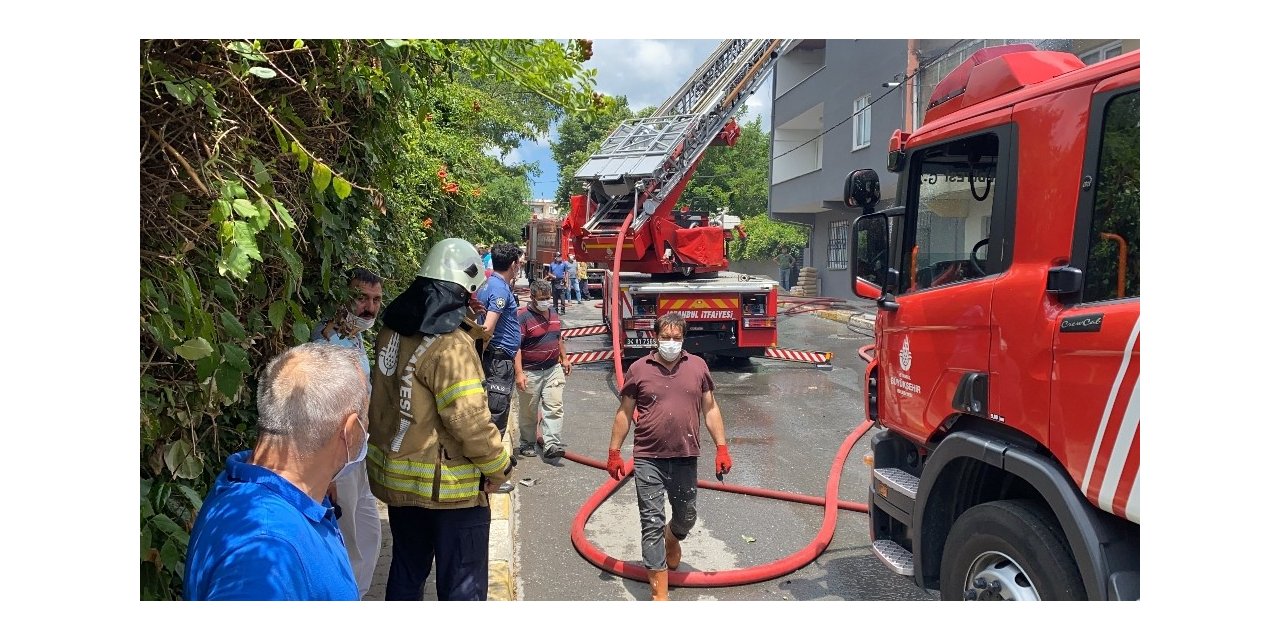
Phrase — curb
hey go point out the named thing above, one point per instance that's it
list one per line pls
(849, 318)
(502, 555)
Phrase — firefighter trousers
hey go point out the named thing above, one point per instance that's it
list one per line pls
(456, 540)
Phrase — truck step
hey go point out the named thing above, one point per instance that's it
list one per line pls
(894, 556)
(897, 480)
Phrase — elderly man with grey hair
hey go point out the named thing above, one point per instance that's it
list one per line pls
(266, 530)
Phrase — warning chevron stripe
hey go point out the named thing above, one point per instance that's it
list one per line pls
(798, 355)
(583, 357)
(578, 332)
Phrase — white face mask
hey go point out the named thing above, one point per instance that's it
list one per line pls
(669, 349)
(359, 324)
(542, 305)
(364, 449)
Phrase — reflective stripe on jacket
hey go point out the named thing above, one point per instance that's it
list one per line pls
(431, 441)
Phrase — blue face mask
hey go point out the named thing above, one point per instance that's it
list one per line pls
(364, 449)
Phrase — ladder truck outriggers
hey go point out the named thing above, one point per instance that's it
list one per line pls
(662, 260)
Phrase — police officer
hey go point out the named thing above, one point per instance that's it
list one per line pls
(500, 321)
(434, 453)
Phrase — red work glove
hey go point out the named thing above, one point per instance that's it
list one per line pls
(723, 461)
(614, 465)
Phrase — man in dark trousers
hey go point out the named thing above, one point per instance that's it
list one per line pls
(500, 321)
(671, 389)
(559, 285)
(434, 455)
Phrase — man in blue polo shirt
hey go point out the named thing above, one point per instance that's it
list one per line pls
(498, 359)
(559, 287)
(266, 530)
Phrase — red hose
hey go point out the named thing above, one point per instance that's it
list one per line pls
(613, 314)
(732, 577)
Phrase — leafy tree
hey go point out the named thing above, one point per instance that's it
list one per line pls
(735, 177)
(767, 238)
(579, 137)
(267, 168)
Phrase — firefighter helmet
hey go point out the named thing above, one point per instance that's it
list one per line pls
(454, 260)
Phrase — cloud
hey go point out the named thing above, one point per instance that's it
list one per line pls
(647, 72)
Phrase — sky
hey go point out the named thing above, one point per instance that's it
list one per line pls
(647, 72)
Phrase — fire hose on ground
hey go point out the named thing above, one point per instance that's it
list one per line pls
(721, 578)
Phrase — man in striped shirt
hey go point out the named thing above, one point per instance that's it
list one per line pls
(541, 368)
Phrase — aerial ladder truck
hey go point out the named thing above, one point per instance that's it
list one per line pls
(666, 260)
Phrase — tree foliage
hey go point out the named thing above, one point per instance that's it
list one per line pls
(735, 177)
(581, 135)
(267, 168)
(766, 238)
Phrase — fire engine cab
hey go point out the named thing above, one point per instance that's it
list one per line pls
(1005, 371)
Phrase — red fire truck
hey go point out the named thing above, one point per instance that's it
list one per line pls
(541, 242)
(661, 259)
(1006, 361)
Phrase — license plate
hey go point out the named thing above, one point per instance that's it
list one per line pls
(641, 343)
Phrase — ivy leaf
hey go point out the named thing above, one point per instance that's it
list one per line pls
(180, 92)
(182, 461)
(263, 72)
(243, 235)
(264, 215)
(236, 357)
(245, 209)
(260, 174)
(341, 187)
(320, 176)
(146, 541)
(298, 44)
(220, 211)
(231, 325)
(298, 152)
(228, 380)
(190, 494)
(194, 349)
(284, 215)
(395, 44)
(169, 556)
(275, 314)
(301, 332)
(246, 51)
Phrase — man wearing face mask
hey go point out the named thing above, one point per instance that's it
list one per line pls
(267, 531)
(541, 367)
(669, 390)
(434, 452)
(357, 508)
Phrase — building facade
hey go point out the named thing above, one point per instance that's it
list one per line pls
(836, 103)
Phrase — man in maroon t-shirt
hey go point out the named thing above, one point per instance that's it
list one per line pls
(669, 390)
(541, 368)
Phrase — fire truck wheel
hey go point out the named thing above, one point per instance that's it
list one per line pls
(1008, 550)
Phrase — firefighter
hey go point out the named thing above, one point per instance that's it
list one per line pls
(434, 453)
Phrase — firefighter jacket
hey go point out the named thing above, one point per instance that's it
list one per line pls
(431, 441)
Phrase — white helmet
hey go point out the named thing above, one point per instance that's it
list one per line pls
(454, 260)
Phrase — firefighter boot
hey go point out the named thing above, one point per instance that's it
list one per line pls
(673, 548)
(658, 583)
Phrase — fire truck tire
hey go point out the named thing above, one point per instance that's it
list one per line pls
(1008, 550)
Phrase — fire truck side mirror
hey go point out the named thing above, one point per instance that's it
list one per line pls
(862, 189)
(1065, 281)
(871, 272)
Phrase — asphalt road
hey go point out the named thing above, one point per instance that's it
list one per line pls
(784, 422)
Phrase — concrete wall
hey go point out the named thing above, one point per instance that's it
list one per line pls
(850, 69)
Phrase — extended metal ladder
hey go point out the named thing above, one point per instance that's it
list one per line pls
(651, 155)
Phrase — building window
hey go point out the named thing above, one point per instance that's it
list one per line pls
(838, 245)
(1105, 52)
(862, 122)
(1112, 268)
